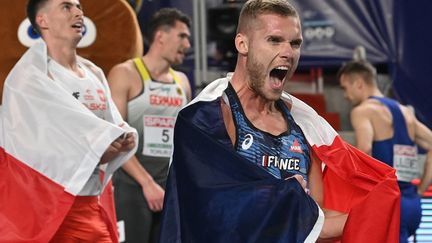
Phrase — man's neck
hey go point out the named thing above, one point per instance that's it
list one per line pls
(65, 55)
(249, 98)
(62, 53)
(157, 66)
(373, 92)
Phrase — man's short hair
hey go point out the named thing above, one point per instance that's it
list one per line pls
(33, 7)
(253, 8)
(165, 17)
(363, 68)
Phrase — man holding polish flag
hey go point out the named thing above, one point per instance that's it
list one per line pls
(57, 156)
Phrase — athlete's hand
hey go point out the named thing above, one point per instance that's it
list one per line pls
(127, 142)
(154, 195)
(300, 180)
(122, 144)
(334, 224)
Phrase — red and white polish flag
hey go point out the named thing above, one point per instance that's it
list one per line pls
(49, 146)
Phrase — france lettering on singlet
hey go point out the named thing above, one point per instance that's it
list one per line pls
(282, 156)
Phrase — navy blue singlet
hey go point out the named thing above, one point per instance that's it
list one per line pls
(386, 152)
(283, 155)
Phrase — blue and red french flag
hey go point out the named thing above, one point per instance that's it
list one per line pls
(215, 195)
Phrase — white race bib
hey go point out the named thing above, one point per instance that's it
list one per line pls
(405, 162)
(158, 135)
(121, 231)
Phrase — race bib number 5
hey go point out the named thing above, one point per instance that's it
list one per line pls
(405, 162)
(158, 135)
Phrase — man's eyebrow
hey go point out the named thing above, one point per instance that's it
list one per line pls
(71, 4)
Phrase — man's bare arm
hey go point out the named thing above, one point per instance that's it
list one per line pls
(120, 81)
(363, 129)
(334, 221)
(423, 138)
(185, 84)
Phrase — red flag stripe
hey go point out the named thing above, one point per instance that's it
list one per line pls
(32, 205)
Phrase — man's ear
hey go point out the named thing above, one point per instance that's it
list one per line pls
(162, 36)
(242, 43)
(158, 36)
(41, 21)
(358, 82)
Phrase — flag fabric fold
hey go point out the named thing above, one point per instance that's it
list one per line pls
(50, 145)
(354, 182)
(215, 195)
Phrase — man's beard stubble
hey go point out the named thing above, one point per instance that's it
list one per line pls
(256, 74)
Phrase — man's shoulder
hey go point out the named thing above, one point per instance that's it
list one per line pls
(178, 72)
(369, 104)
(372, 109)
(203, 114)
(208, 100)
(367, 108)
(199, 107)
(408, 112)
(125, 71)
(181, 75)
(92, 67)
(126, 66)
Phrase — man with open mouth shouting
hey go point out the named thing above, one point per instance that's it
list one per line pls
(256, 174)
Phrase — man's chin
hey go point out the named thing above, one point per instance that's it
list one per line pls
(77, 40)
(355, 103)
(177, 61)
(274, 96)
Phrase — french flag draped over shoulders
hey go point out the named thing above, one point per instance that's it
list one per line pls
(50, 145)
(215, 195)
(354, 182)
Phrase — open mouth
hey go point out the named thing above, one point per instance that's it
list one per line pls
(77, 26)
(278, 75)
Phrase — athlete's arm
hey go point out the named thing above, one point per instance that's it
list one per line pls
(316, 179)
(363, 128)
(334, 221)
(185, 84)
(121, 144)
(423, 138)
(120, 81)
(153, 193)
(334, 224)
